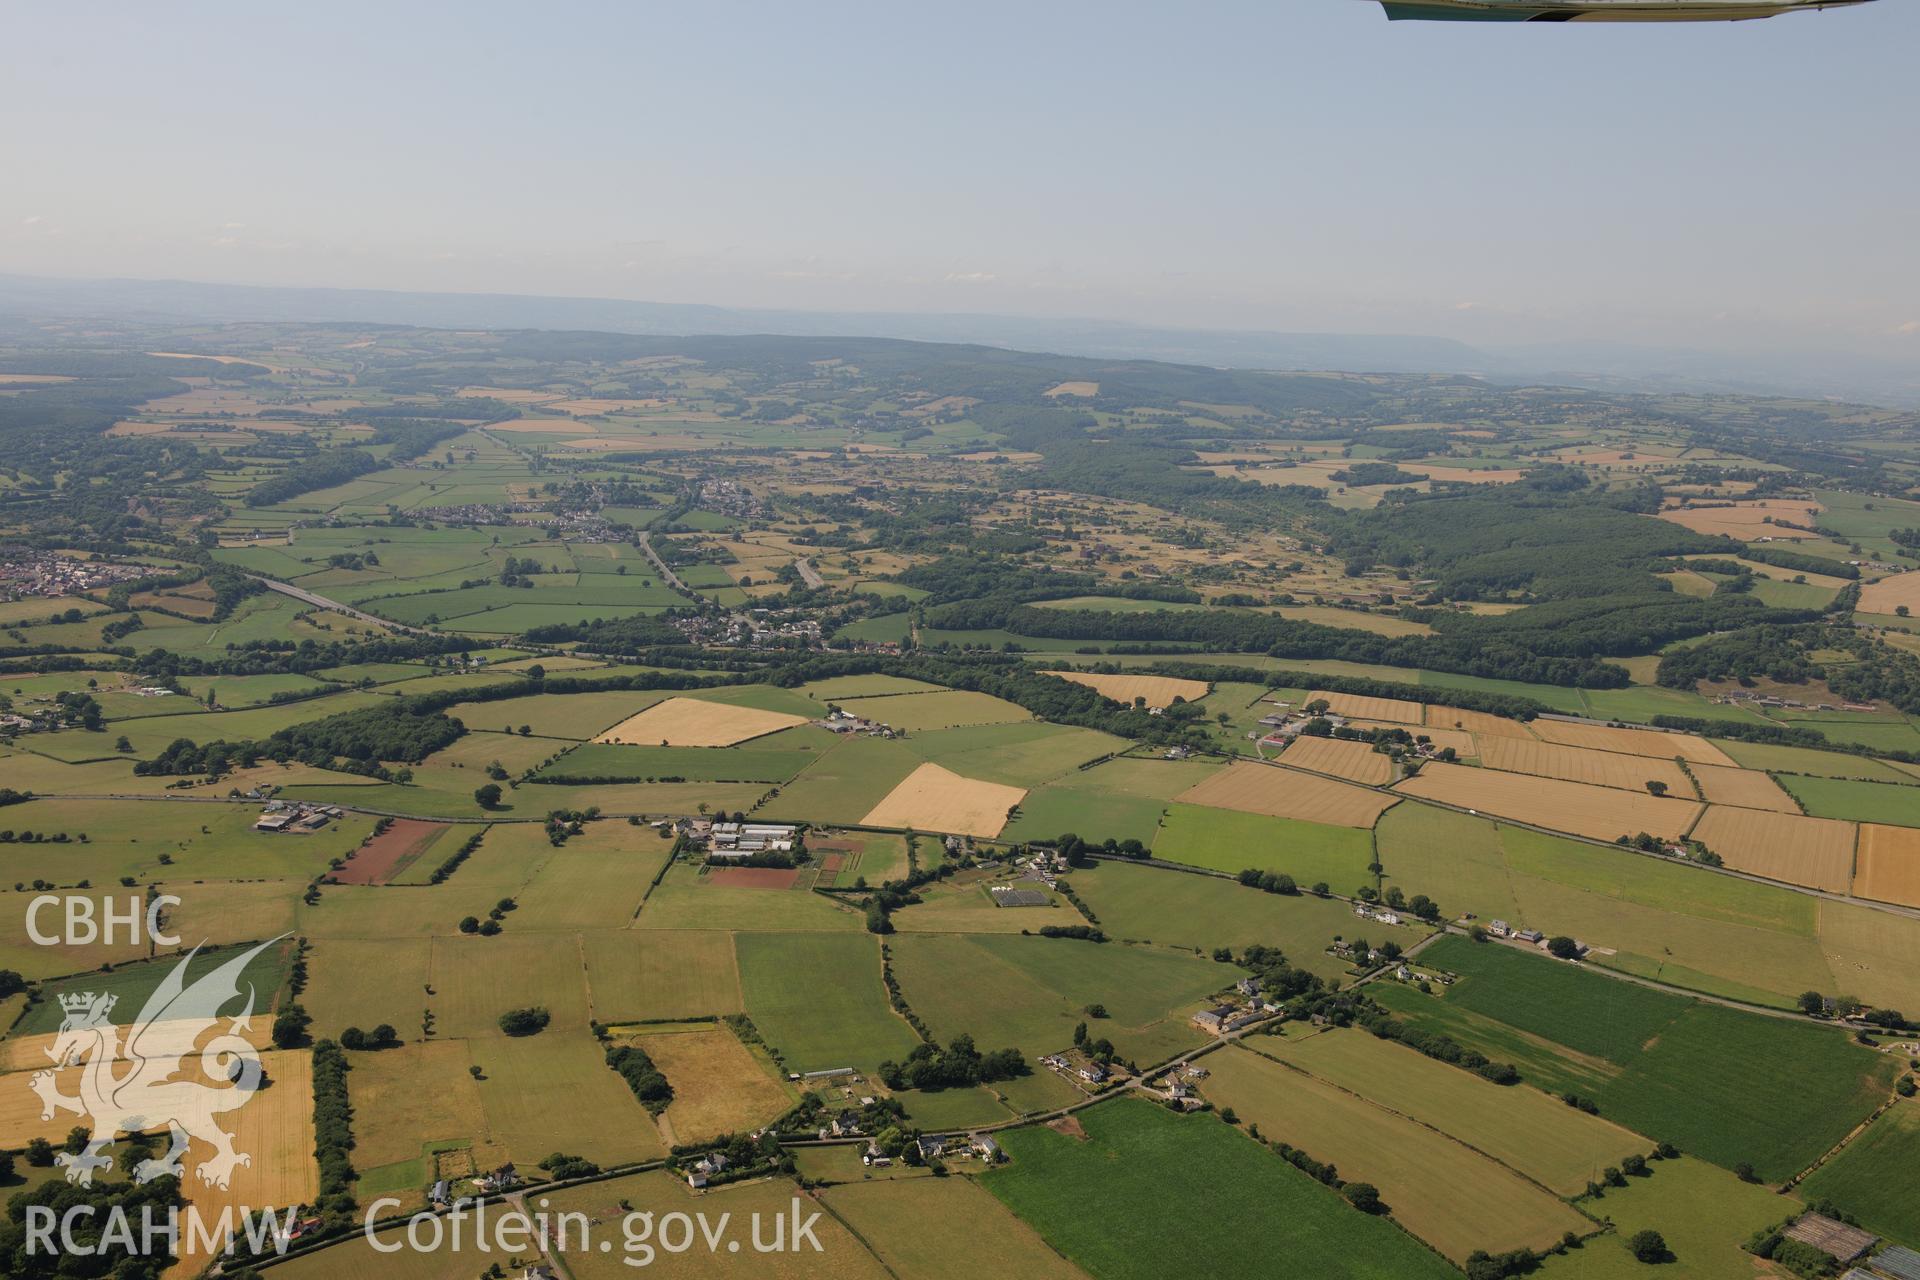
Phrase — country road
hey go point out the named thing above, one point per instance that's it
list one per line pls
(667, 575)
(321, 602)
(809, 574)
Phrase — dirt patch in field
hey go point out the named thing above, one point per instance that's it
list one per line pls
(1600, 813)
(1581, 764)
(1814, 852)
(1354, 761)
(752, 877)
(1069, 1125)
(1889, 865)
(392, 851)
(691, 722)
(1634, 742)
(935, 799)
(1288, 793)
(1159, 691)
(1743, 788)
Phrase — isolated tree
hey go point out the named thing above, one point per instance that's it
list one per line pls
(1812, 1003)
(487, 795)
(1648, 1246)
(1364, 1196)
(1656, 787)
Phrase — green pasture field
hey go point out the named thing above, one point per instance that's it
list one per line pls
(962, 905)
(251, 691)
(14, 613)
(596, 881)
(1118, 799)
(575, 716)
(1818, 764)
(888, 628)
(1874, 735)
(1030, 992)
(363, 982)
(1173, 908)
(1872, 1176)
(755, 763)
(477, 979)
(934, 638)
(817, 998)
(830, 1166)
(1785, 1091)
(1848, 514)
(400, 1119)
(634, 975)
(150, 734)
(1793, 595)
(553, 1092)
(845, 784)
(132, 984)
(1115, 604)
(1522, 1128)
(1703, 1213)
(1192, 1178)
(948, 1109)
(128, 838)
(1022, 754)
(1856, 801)
(944, 1229)
(945, 709)
(1231, 841)
(378, 672)
(1680, 924)
(223, 911)
(1446, 1193)
(870, 686)
(686, 899)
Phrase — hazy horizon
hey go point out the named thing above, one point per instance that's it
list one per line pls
(1305, 168)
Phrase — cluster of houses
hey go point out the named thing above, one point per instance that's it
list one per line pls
(1178, 1089)
(283, 816)
(976, 1146)
(1225, 1018)
(729, 840)
(1381, 914)
(731, 498)
(26, 573)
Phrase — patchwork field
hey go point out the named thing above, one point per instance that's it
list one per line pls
(693, 722)
(1287, 793)
(1600, 813)
(1443, 1191)
(1158, 691)
(1191, 1177)
(1353, 761)
(1745, 520)
(1742, 788)
(1888, 864)
(932, 798)
(1579, 764)
(1815, 852)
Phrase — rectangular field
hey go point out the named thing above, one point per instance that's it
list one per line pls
(1635, 742)
(818, 999)
(391, 852)
(1398, 710)
(638, 973)
(1288, 793)
(554, 1092)
(1441, 1190)
(1742, 788)
(1158, 691)
(695, 722)
(1814, 852)
(1479, 723)
(932, 798)
(945, 1229)
(1898, 805)
(1353, 761)
(1578, 764)
(1231, 841)
(719, 1087)
(1600, 813)
(1888, 866)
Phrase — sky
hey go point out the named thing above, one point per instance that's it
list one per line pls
(1291, 164)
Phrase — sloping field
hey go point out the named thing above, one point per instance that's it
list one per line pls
(1354, 761)
(1815, 852)
(1637, 742)
(691, 722)
(1600, 813)
(1449, 1195)
(935, 799)
(1159, 691)
(1478, 723)
(1743, 788)
(1578, 764)
(1890, 593)
(1525, 1129)
(1888, 869)
(1288, 793)
(1352, 704)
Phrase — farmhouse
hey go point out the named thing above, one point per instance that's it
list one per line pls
(1094, 1073)
(744, 839)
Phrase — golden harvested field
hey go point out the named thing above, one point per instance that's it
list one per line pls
(1354, 761)
(14, 379)
(1076, 389)
(1577, 764)
(1890, 593)
(1814, 852)
(1349, 704)
(1635, 742)
(1288, 793)
(1159, 691)
(690, 722)
(1476, 722)
(935, 799)
(1748, 519)
(592, 407)
(1600, 813)
(1463, 475)
(718, 1085)
(276, 1129)
(1889, 864)
(1744, 788)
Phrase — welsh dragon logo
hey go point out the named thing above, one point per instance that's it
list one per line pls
(128, 1077)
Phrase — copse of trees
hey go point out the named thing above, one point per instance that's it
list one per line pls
(321, 470)
(957, 1066)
